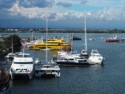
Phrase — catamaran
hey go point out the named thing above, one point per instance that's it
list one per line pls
(48, 68)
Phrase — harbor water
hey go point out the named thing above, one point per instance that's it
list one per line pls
(94, 79)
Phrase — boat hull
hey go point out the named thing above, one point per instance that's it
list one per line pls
(111, 40)
(54, 47)
(114, 40)
(72, 64)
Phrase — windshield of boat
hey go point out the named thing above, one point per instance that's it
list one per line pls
(23, 62)
(23, 55)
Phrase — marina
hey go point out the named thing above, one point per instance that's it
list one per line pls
(101, 79)
(62, 47)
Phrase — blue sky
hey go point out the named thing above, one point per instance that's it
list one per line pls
(100, 14)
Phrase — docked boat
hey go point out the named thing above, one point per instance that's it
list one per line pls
(84, 52)
(71, 60)
(74, 59)
(4, 80)
(29, 44)
(114, 39)
(62, 53)
(47, 70)
(22, 65)
(95, 57)
(55, 44)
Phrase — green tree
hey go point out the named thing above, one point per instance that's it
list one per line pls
(15, 40)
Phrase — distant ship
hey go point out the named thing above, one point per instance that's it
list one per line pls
(114, 39)
(75, 38)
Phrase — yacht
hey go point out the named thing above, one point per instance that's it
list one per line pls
(95, 57)
(71, 60)
(47, 70)
(22, 65)
(74, 58)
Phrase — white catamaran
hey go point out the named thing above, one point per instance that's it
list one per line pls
(48, 68)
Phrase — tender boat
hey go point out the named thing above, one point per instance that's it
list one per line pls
(22, 65)
(95, 57)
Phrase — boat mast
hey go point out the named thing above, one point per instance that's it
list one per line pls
(46, 37)
(12, 44)
(32, 35)
(72, 42)
(85, 36)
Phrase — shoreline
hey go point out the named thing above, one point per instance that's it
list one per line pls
(60, 31)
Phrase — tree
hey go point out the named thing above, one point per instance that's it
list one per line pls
(15, 40)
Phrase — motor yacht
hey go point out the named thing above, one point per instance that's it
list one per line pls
(22, 65)
(95, 57)
(71, 60)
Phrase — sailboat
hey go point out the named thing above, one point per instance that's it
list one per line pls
(84, 52)
(48, 68)
(76, 59)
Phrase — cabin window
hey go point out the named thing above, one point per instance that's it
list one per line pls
(23, 62)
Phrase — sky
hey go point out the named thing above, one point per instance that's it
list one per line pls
(69, 14)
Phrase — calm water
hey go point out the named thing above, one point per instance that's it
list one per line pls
(95, 79)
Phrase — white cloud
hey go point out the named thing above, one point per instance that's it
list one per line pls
(112, 14)
(55, 13)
